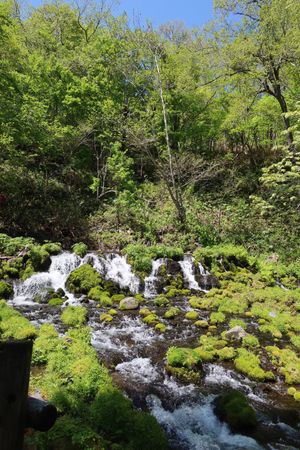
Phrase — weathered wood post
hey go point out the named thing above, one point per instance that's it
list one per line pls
(15, 359)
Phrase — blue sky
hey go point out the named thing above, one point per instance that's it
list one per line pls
(192, 12)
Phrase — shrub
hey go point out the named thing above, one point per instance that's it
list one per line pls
(53, 248)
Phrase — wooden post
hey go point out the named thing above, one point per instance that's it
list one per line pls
(15, 359)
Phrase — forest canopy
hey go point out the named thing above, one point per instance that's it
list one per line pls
(113, 132)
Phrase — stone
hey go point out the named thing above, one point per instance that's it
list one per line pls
(235, 334)
(129, 303)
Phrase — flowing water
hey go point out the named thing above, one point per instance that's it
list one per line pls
(134, 353)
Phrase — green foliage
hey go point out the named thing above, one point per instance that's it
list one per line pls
(191, 315)
(83, 279)
(80, 249)
(225, 257)
(55, 302)
(141, 256)
(74, 316)
(101, 296)
(14, 325)
(6, 290)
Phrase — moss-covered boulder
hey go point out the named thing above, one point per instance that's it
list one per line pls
(39, 258)
(99, 295)
(83, 279)
(80, 249)
(172, 313)
(6, 290)
(233, 408)
(129, 303)
(184, 363)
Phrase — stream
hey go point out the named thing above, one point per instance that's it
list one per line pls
(134, 353)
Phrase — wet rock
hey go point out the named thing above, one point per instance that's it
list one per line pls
(129, 303)
(235, 334)
(233, 407)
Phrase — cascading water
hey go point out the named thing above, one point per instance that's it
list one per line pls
(115, 268)
(151, 281)
(205, 275)
(37, 285)
(188, 270)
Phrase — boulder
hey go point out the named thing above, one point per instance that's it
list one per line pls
(235, 334)
(129, 303)
(233, 407)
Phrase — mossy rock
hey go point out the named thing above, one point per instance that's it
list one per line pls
(173, 292)
(151, 319)
(39, 258)
(192, 315)
(161, 327)
(183, 357)
(99, 295)
(83, 279)
(145, 312)
(140, 298)
(161, 300)
(250, 341)
(53, 248)
(217, 317)
(172, 313)
(106, 317)
(116, 298)
(74, 316)
(113, 312)
(128, 304)
(233, 408)
(6, 290)
(201, 323)
(249, 364)
(226, 353)
(80, 249)
(56, 302)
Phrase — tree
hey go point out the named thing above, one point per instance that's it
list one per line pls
(263, 48)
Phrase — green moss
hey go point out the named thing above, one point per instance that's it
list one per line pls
(250, 341)
(249, 364)
(39, 258)
(6, 290)
(103, 297)
(291, 391)
(195, 302)
(112, 312)
(201, 323)
(141, 256)
(217, 317)
(56, 302)
(295, 340)
(226, 257)
(74, 316)
(191, 315)
(161, 300)
(183, 357)
(46, 343)
(233, 407)
(53, 248)
(14, 325)
(83, 279)
(145, 312)
(116, 298)
(173, 292)
(151, 319)
(106, 317)
(297, 396)
(80, 249)
(172, 313)
(237, 322)
(139, 298)
(161, 327)
(226, 353)
(287, 361)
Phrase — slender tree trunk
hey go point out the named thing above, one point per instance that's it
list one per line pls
(173, 189)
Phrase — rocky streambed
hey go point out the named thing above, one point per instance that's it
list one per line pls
(135, 354)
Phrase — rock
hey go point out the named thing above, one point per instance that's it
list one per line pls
(233, 407)
(129, 303)
(235, 334)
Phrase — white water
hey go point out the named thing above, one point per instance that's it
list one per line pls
(60, 268)
(197, 427)
(139, 370)
(188, 270)
(150, 282)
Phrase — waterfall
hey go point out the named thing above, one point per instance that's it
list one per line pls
(61, 266)
(150, 282)
(188, 270)
(205, 276)
(115, 268)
